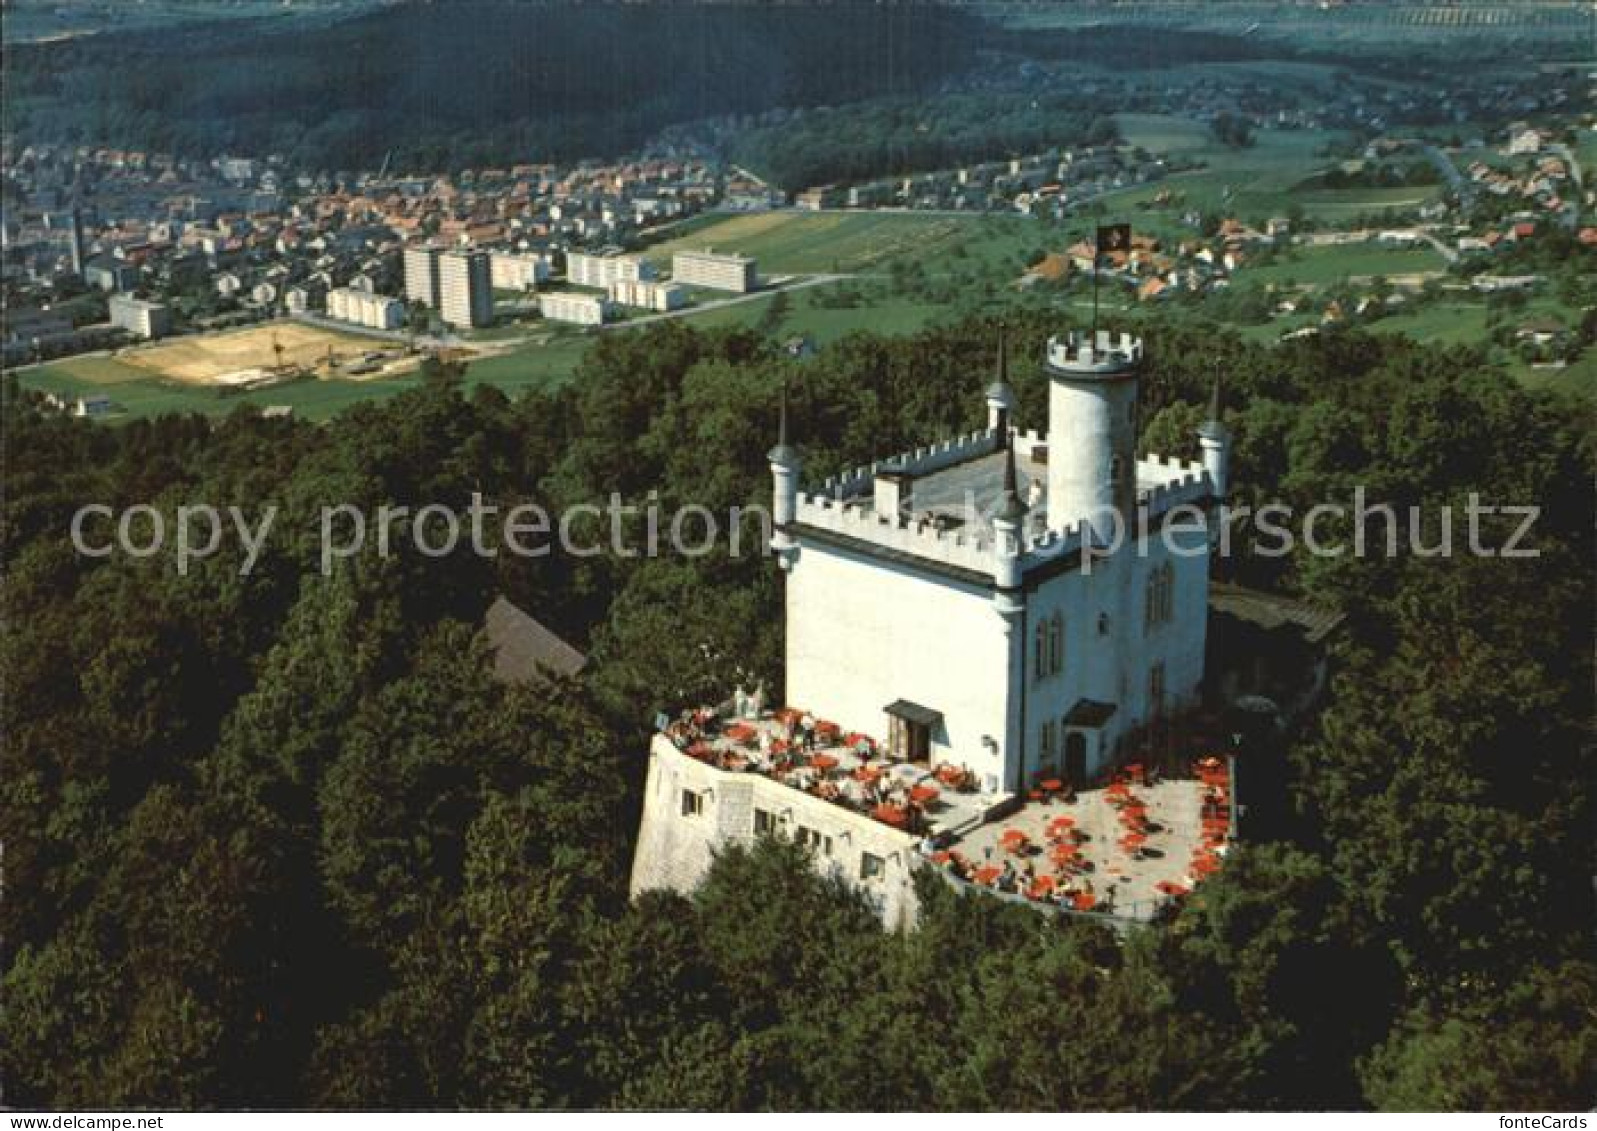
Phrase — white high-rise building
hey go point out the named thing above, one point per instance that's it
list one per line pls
(421, 275)
(465, 289)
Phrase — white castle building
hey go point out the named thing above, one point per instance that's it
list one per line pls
(1013, 604)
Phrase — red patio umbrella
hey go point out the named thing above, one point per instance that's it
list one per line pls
(823, 761)
(987, 874)
(891, 815)
(923, 794)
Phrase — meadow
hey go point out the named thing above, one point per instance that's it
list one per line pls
(812, 243)
(1256, 182)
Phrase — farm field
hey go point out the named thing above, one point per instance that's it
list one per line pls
(808, 243)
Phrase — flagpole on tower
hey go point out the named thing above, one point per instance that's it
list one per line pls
(1097, 265)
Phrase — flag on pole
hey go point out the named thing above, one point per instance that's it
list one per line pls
(1114, 237)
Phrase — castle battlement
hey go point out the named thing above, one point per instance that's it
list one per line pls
(1104, 352)
(1184, 483)
(920, 461)
(922, 539)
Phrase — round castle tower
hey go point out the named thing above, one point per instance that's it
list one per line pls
(1092, 430)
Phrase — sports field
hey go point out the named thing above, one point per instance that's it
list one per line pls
(223, 358)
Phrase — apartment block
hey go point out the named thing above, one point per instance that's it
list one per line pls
(465, 288)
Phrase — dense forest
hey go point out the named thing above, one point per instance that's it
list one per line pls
(283, 840)
(448, 86)
(891, 137)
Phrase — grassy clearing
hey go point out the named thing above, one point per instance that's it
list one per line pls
(1260, 181)
(789, 243)
(1322, 266)
(153, 396)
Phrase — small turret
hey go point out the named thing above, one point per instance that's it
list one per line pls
(1000, 397)
(1009, 523)
(786, 464)
(1215, 440)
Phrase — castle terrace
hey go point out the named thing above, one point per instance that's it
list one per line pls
(1126, 848)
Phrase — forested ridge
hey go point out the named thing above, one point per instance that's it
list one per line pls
(473, 82)
(283, 840)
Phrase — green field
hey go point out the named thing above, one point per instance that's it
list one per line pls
(1259, 181)
(889, 315)
(1322, 266)
(809, 243)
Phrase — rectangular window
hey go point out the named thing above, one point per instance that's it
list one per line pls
(764, 822)
(692, 803)
(1156, 689)
(813, 838)
(1046, 746)
(871, 867)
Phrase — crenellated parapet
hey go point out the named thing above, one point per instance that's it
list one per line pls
(1173, 482)
(1086, 354)
(919, 538)
(920, 461)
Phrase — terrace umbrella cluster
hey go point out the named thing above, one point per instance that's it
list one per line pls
(1061, 880)
(816, 756)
